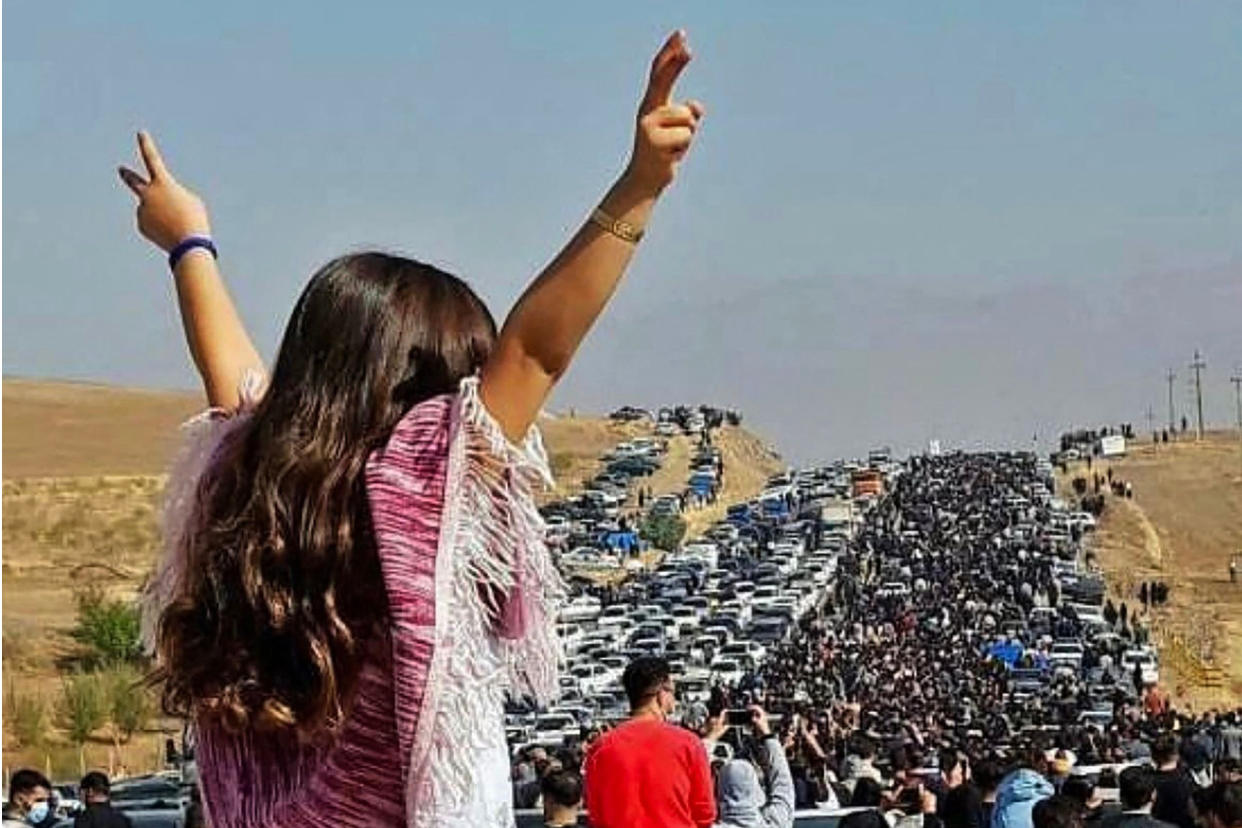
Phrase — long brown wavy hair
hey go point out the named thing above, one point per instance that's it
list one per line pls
(282, 594)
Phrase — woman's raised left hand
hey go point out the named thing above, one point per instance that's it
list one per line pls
(168, 213)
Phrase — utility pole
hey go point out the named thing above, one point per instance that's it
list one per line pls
(1198, 365)
(1236, 379)
(1172, 415)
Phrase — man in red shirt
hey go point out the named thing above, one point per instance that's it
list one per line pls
(646, 772)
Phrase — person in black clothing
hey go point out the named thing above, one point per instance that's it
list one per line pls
(1057, 812)
(1221, 805)
(97, 796)
(864, 819)
(986, 776)
(959, 803)
(1137, 786)
(1082, 790)
(867, 793)
(562, 798)
(1174, 786)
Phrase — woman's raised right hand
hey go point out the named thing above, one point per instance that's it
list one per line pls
(665, 129)
(168, 213)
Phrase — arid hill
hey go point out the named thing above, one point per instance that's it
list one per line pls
(1182, 525)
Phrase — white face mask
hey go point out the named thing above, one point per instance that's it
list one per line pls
(38, 812)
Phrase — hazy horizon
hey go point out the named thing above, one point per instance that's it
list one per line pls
(967, 222)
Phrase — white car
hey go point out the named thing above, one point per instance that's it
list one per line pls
(607, 503)
(694, 689)
(557, 528)
(582, 608)
(752, 648)
(616, 615)
(726, 671)
(571, 636)
(1088, 614)
(672, 626)
(568, 684)
(1147, 664)
(593, 677)
(744, 590)
(687, 618)
(615, 662)
(765, 595)
(1066, 652)
(742, 610)
(1084, 519)
(705, 551)
(554, 728)
(790, 548)
(787, 602)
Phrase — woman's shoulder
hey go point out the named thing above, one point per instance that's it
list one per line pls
(486, 440)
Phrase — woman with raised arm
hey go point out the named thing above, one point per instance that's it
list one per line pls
(355, 571)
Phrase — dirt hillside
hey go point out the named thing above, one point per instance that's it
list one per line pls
(1181, 526)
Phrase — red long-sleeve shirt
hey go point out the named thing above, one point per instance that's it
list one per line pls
(646, 773)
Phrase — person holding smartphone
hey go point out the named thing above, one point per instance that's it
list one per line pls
(756, 797)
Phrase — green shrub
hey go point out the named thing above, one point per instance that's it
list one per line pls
(664, 531)
(27, 715)
(84, 706)
(130, 705)
(110, 628)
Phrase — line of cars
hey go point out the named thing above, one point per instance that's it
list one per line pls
(681, 419)
(589, 531)
(713, 608)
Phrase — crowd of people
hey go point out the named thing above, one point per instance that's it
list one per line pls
(896, 702)
(894, 680)
(33, 801)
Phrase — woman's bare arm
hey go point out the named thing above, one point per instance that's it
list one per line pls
(168, 213)
(550, 320)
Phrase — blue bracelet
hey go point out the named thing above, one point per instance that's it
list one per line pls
(186, 245)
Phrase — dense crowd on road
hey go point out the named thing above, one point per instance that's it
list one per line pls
(961, 655)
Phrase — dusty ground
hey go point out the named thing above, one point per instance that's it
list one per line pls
(1182, 525)
(82, 481)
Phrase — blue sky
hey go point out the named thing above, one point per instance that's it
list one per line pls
(972, 221)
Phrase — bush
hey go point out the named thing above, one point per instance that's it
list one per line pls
(84, 706)
(130, 705)
(664, 532)
(112, 629)
(27, 715)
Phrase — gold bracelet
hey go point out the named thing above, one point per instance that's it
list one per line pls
(621, 229)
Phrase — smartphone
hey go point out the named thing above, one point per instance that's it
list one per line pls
(738, 718)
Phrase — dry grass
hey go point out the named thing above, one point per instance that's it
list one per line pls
(1181, 527)
(64, 429)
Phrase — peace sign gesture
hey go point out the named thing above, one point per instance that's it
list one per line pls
(167, 211)
(665, 129)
